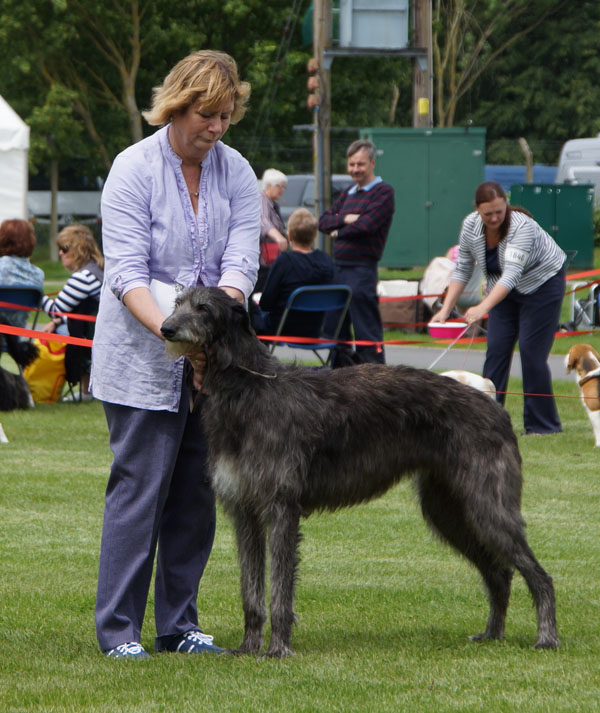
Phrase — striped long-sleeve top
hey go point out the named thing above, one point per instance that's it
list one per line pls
(365, 238)
(80, 285)
(528, 256)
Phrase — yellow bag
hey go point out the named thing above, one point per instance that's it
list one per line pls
(46, 375)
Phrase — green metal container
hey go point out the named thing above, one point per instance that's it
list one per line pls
(565, 211)
(434, 173)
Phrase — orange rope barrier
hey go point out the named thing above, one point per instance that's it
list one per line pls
(44, 336)
(70, 315)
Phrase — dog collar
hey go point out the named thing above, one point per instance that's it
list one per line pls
(256, 373)
(589, 376)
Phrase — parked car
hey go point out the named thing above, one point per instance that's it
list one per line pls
(72, 206)
(300, 192)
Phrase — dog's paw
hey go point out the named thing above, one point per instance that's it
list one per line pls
(549, 642)
(247, 648)
(485, 636)
(236, 652)
(279, 652)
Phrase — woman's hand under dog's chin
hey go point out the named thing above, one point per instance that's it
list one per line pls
(197, 359)
(199, 365)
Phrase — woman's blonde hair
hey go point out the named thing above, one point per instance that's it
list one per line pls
(79, 242)
(206, 76)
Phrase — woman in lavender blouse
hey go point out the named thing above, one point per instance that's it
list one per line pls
(179, 209)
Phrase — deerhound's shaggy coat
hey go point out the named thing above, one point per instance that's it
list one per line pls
(285, 441)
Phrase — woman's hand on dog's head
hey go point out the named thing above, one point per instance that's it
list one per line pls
(234, 293)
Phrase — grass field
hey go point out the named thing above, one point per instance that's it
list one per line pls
(384, 609)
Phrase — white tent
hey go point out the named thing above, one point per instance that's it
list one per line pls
(14, 145)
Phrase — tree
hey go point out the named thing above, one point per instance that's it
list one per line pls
(546, 89)
(107, 55)
(470, 35)
(110, 53)
(48, 44)
(56, 135)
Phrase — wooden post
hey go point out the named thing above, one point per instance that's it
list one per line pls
(423, 71)
(322, 31)
(53, 209)
(528, 160)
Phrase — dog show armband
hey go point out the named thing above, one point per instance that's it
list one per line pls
(515, 256)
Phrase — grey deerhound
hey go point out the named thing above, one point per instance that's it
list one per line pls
(285, 441)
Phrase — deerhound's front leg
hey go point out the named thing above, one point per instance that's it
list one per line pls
(251, 539)
(284, 541)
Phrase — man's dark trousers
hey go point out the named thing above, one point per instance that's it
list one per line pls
(364, 309)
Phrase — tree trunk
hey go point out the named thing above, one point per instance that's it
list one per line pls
(53, 209)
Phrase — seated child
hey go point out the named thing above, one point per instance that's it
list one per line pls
(300, 266)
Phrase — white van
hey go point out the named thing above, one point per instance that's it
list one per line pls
(579, 162)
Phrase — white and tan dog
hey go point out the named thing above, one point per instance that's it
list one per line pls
(470, 379)
(584, 360)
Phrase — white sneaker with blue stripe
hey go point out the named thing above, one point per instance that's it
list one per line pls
(129, 650)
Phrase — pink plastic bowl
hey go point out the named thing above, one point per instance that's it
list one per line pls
(448, 330)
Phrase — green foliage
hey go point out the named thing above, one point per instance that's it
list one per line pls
(55, 131)
(384, 610)
(471, 38)
(91, 48)
(83, 69)
(545, 88)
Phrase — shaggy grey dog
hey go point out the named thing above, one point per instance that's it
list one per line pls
(285, 441)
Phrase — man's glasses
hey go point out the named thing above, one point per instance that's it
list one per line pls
(62, 249)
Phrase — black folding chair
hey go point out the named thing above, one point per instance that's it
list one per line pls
(78, 358)
(319, 300)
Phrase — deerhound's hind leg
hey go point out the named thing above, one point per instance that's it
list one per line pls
(284, 541)
(445, 512)
(542, 590)
(251, 540)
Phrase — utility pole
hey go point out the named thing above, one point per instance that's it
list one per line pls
(322, 34)
(423, 66)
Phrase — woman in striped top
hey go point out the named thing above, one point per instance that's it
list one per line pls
(525, 272)
(80, 295)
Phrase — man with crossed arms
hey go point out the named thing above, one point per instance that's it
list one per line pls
(359, 222)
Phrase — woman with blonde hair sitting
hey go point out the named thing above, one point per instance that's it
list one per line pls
(80, 255)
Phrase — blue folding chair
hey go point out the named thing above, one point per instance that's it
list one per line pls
(315, 299)
(22, 295)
